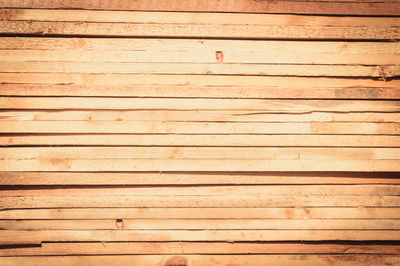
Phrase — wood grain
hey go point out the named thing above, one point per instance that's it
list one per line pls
(197, 260)
(358, 212)
(112, 248)
(166, 201)
(201, 140)
(190, 178)
(341, 7)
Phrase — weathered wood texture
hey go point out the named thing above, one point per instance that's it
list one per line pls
(204, 260)
(190, 132)
(337, 7)
(196, 25)
(131, 248)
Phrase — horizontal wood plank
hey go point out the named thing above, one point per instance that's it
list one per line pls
(222, 165)
(377, 90)
(167, 201)
(19, 236)
(298, 190)
(191, 18)
(200, 224)
(203, 69)
(190, 116)
(112, 248)
(266, 57)
(146, 178)
(21, 153)
(60, 103)
(203, 140)
(340, 7)
(203, 213)
(160, 127)
(139, 50)
(197, 260)
(198, 25)
(259, 84)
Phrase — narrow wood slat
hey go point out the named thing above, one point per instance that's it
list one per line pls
(19, 153)
(205, 140)
(204, 69)
(224, 165)
(19, 236)
(190, 18)
(204, 213)
(358, 89)
(60, 103)
(41, 28)
(358, 190)
(166, 201)
(140, 50)
(197, 260)
(85, 178)
(112, 248)
(211, 82)
(160, 127)
(340, 7)
(187, 58)
(221, 25)
(190, 116)
(203, 224)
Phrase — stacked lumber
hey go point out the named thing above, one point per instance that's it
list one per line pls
(199, 132)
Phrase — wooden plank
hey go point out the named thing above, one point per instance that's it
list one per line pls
(201, 115)
(251, 201)
(19, 236)
(41, 28)
(190, 18)
(221, 165)
(203, 224)
(190, 91)
(356, 190)
(245, 49)
(197, 51)
(375, 90)
(160, 127)
(84, 178)
(20, 153)
(267, 54)
(196, 260)
(263, 83)
(203, 213)
(198, 25)
(204, 69)
(390, 8)
(60, 103)
(205, 260)
(204, 140)
(112, 248)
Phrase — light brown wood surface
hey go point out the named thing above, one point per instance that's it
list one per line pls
(338, 7)
(348, 260)
(187, 133)
(196, 25)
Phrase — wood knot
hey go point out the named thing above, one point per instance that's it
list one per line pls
(119, 223)
(220, 57)
(384, 73)
(177, 261)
